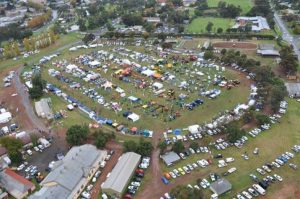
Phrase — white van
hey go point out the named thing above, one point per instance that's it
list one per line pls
(259, 189)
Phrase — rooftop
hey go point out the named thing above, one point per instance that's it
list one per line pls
(220, 186)
(122, 172)
(170, 157)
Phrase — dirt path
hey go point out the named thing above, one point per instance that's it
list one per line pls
(109, 166)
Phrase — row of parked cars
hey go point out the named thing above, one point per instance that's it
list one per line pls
(260, 186)
(203, 163)
(135, 183)
(86, 194)
(183, 138)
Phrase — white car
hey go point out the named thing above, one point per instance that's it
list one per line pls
(137, 184)
(259, 170)
(29, 152)
(172, 174)
(21, 167)
(279, 178)
(246, 194)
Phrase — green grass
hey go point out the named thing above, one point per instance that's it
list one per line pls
(245, 5)
(280, 138)
(199, 24)
(64, 40)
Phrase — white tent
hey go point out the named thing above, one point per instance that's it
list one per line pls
(94, 63)
(157, 85)
(194, 129)
(148, 72)
(133, 117)
(70, 68)
(5, 117)
(126, 61)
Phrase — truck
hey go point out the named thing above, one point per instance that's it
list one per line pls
(259, 189)
(45, 143)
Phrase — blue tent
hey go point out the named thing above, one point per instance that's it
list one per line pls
(177, 131)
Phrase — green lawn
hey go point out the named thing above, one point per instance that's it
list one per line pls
(64, 40)
(280, 138)
(199, 24)
(245, 5)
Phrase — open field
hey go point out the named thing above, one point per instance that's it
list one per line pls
(199, 24)
(271, 143)
(63, 41)
(236, 45)
(245, 5)
(155, 122)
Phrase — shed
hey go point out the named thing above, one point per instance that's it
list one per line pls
(220, 186)
(170, 158)
(121, 174)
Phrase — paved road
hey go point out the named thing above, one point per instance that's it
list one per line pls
(293, 40)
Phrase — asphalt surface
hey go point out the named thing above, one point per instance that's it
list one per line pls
(291, 39)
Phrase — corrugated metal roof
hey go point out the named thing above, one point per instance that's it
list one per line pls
(122, 172)
(67, 173)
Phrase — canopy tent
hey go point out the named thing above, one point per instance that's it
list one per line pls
(107, 85)
(177, 131)
(133, 117)
(157, 85)
(94, 63)
(133, 99)
(5, 117)
(194, 129)
(148, 72)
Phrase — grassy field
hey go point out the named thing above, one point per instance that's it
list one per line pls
(64, 40)
(200, 115)
(199, 24)
(245, 5)
(280, 138)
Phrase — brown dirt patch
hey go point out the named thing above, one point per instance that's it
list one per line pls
(287, 191)
(238, 45)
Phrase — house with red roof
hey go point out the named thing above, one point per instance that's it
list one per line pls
(16, 185)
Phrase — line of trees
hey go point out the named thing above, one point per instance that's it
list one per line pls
(143, 147)
(38, 21)
(289, 61)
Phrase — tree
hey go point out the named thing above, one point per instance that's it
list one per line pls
(219, 30)
(183, 192)
(130, 146)
(194, 145)
(162, 146)
(37, 87)
(233, 132)
(144, 148)
(289, 62)
(145, 35)
(262, 119)
(26, 44)
(208, 54)
(248, 116)
(77, 134)
(178, 147)
(102, 138)
(13, 147)
(81, 24)
(162, 36)
(34, 139)
(209, 26)
(88, 38)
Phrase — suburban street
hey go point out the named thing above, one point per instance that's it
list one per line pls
(293, 40)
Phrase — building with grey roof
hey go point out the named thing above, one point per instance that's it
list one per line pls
(257, 23)
(220, 186)
(43, 108)
(70, 175)
(267, 50)
(293, 89)
(170, 157)
(121, 174)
